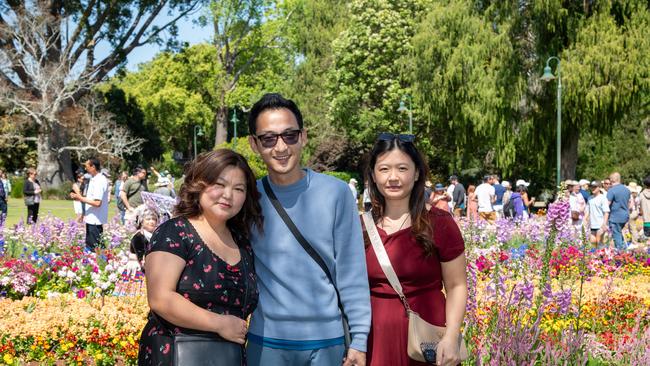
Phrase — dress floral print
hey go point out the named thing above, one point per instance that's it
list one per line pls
(207, 281)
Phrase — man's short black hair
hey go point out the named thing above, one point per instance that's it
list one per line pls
(95, 162)
(272, 101)
(138, 169)
(646, 181)
(486, 178)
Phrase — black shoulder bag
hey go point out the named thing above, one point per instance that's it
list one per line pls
(209, 349)
(312, 253)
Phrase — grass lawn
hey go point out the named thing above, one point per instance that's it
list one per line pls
(60, 208)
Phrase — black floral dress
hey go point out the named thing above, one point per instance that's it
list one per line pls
(207, 281)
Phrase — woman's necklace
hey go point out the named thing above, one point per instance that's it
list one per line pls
(400, 227)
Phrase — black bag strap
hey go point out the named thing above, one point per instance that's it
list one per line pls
(305, 245)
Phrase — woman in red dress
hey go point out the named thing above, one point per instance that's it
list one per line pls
(425, 248)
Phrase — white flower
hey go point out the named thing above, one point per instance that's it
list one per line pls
(112, 277)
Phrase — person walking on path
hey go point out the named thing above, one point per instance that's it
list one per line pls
(472, 204)
(597, 214)
(96, 201)
(32, 194)
(426, 250)
(79, 186)
(458, 196)
(117, 187)
(299, 320)
(618, 197)
(353, 188)
(130, 192)
(577, 204)
(486, 197)
(440, 198)
(3, 202)
(644, 207)
(499, 191)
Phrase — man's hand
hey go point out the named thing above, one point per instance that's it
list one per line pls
(355, 358)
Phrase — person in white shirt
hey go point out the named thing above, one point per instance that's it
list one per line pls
(450, 192)
(597, 213)
(96, 200)
(353, 188)
(486, 197)
(577, 204)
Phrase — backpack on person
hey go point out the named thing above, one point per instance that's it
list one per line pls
(509, 208)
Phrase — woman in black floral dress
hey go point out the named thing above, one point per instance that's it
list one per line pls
(199, 264)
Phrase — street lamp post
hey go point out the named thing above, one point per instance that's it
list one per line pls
(548, 76)
(234, 121)
(199, 133)
(402, 108)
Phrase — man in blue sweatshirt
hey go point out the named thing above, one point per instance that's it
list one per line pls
(298, 321)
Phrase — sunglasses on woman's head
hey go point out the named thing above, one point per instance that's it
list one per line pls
(387, 136)
(269, 140)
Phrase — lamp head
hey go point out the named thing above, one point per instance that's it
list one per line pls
(402, 107)
(234, 118)
(548, 75)
(199, 132)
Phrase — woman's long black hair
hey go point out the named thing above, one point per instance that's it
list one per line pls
(421, 226)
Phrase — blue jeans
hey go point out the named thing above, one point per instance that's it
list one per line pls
(258, 355)
(617, 234)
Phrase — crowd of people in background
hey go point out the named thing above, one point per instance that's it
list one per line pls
(602, 209)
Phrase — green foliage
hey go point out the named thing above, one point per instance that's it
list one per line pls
(315, 25)
(176, 93)
(126, 112)
(367, 81)
(602, 155)
(254, 161)
(475, 71)
(344, 176)
(461, 78)
(17, 184)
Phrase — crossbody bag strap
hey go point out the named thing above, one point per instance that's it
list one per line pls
(301, 239)
(382, 257)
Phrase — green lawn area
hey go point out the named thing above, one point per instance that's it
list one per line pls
(59, 208)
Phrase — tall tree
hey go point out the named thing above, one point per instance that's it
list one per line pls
(488, 56)
(49, 52)
(368, 81)
(246, 32)
(314, 26)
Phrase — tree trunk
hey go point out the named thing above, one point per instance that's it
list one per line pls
(221, 122)
(53, 168)
(569, 150)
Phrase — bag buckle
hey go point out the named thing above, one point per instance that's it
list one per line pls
(429, 351)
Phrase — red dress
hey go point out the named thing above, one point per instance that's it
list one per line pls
(421, 279)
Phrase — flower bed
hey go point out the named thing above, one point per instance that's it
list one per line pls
(537, 295)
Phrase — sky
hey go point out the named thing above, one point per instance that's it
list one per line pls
(187, 32)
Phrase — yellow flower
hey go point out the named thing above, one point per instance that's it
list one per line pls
(64, 347)
(8, 359)
(99, 356)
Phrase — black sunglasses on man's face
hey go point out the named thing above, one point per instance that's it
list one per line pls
(269, 140)
(387, 136)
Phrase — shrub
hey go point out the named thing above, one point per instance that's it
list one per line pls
(345, 176)
(17, 184)
(254, 161)
(61, 193)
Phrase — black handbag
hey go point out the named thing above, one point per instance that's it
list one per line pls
(206, 350)
(312, 253)
(209, 349)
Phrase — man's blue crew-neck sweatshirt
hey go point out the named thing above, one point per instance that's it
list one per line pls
(297, 304)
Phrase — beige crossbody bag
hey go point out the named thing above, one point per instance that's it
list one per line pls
(423, 337)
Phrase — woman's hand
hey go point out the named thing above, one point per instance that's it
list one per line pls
(232, 328)
(448, 352)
